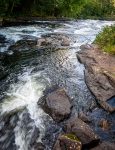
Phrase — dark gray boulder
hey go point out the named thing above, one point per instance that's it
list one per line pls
(82, 131)
(56, 104)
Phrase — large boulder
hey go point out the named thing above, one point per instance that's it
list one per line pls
(105, 146)
(65, 143)
(56, 104)
(99, 74)
(82, 131)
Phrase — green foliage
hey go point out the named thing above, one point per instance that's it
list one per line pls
(3, 7)
(71, 136)
(58, 8)
(106, 39)
(100, 8)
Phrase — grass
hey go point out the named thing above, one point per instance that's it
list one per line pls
(105, 39)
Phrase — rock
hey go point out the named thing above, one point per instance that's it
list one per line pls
(83, 117)
(56, 104)
(104, 124)
(1, 22)
(39, 146)
(40, 42)
(105, 146)
(92, 106)
(99, 80)
(2, 38)
(82, 131)
(65, 143)
(65, 41)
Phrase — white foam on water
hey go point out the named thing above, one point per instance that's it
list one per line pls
(26, 93)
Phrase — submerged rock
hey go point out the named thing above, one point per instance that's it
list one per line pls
(39, 146)
(104, 124)
(65, 143)
(105, 146)
(81, 130)
(56, 104)
(92, 106)
(99, 74)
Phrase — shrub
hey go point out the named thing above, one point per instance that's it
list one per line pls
(105, 39)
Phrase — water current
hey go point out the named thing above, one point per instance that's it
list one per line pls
(26, 72)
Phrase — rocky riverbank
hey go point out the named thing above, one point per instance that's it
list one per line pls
(99, 74)
(76, 133)
(5, 22)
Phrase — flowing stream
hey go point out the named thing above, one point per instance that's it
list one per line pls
(26, 72)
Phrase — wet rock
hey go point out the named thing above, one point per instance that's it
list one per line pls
(92, 106)
(99, 81)
(65, 41)
(104, 124)
(1, 22)
(2, 38)
(40, 42)
(105, 146)
(83, 117)
(81, 130)
(39, 146)
(56, 104)
(65, 143)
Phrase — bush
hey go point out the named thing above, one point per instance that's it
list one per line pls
(106, 39)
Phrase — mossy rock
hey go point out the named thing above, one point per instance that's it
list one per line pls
(71, 136)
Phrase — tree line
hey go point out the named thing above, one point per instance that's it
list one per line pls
(57, 8)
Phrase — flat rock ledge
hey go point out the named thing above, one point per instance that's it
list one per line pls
(82, 131)
(56, 104)
(99, 74)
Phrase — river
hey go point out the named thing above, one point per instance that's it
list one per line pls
(25, 73)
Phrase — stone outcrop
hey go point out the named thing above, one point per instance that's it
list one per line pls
(82, 131)
(56, 104)
(65, 143)
(105, 146)
(99, 74)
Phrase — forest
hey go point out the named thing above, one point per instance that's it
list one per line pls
(57, 8)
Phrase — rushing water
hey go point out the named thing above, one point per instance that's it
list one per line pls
(26, 72)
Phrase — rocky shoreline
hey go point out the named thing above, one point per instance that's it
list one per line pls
(77, 134)
(99, 74)
(6, 22)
